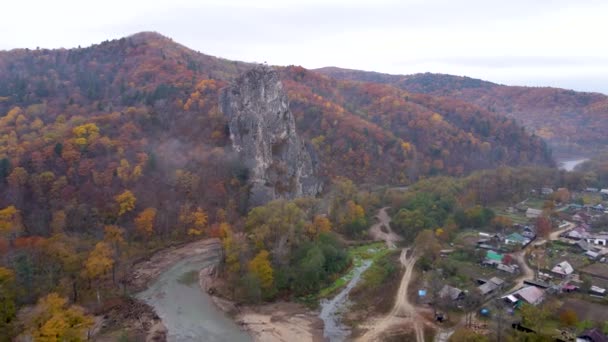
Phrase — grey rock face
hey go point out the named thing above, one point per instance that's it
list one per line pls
(263, 132)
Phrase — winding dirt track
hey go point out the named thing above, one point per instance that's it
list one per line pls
(384, 221)
(527, 272)
(403, 311)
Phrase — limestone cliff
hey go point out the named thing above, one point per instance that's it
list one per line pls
(263, 132)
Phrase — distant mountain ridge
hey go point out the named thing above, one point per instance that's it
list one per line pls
(572, 122)
(372, 133)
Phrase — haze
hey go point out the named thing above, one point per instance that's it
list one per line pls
(553, 43)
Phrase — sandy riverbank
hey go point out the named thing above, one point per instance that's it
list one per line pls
(281, 322)
(275, 322)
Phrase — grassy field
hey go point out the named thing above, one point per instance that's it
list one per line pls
(358, 254)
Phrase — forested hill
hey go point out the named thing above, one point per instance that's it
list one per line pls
(88, 135)
(571, 122)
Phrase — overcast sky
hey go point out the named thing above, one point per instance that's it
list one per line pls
(519, 42)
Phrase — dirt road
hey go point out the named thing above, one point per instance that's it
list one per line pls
(387, 233)
(403, 311)
(527, 272)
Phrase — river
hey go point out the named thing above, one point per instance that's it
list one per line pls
(187, 312)
(331, 310)
(570, 164)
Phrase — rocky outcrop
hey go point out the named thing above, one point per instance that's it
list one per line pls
(263, 132)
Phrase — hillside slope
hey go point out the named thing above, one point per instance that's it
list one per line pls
(80, 127)
(571, 122)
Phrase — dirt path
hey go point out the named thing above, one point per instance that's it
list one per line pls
(403, 311)
(527, 272)
(387, 234)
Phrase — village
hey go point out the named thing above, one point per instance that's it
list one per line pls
(554, 251)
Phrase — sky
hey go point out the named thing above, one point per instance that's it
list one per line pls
(516, 42)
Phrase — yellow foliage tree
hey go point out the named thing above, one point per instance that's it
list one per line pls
(195, 222)
(144, 222)
(8, 309)
(260, 266)
(319, 225)
(58, 222)
(231, 249)
(85, 134)
(98, 263)
(53, 321)
(10, 222)
(126, 202)
(123, 171)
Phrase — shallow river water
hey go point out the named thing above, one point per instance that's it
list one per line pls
(187, 312)
(331, 309)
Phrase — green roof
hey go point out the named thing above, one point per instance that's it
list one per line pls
(494, 256)
(516, 237)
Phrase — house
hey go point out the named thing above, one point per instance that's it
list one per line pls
(490, 286)
(529, 294)
(516, 239)
(581, 217)
(604, 193)
(546, 191)
(592, 255)
(533, 213)
(577, 233)
(569, 288)
(598, 291)
(585, 246)
(599, 208)
(563, 269)
(597, 239)
(592, 190)
(451, 292)
(537, 283)
(592, 335)
(507, 268)
(493, 257)
(528, 232)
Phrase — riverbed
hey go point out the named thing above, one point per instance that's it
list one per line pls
(331, 310)
(187, 312)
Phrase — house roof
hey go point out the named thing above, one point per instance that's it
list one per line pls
(563, 268)
(531, 294)
(516, 237)
(487, 288)
(494, 256)
(449, 291)
(496, 281)
(532, 211)
(593, 335)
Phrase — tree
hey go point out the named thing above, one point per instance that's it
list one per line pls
(426, 245)
(8, 309)
(261, 268)
(53, 320)
(114, 237)
(568, 318)
(543, 226)
(58, 222)
(144, 222)
(467, 335)
(199, 222)
(319, 225)
(533, 317)
(99, 263)
(500, 223)
(126, 202)
(10, 222)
